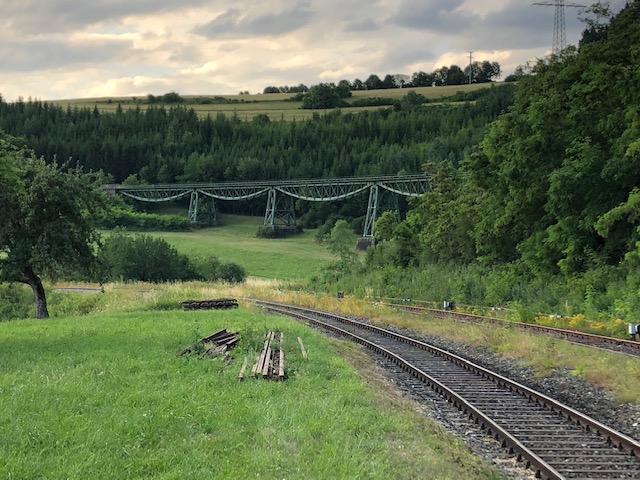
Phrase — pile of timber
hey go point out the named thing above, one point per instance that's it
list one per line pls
(209, 304)
(218, 343)
(270, 363)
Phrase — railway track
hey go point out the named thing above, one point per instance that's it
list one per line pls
(556, 441)
(612, 344)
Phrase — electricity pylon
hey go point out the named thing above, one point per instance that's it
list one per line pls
(559, 27)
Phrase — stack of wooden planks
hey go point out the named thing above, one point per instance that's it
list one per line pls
(209, 304)
(218, 343)
(270, 362)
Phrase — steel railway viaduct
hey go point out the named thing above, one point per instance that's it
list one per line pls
(383, 195)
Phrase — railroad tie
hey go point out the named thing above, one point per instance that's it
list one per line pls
(270, 362)
(216, 303)
(217, 343)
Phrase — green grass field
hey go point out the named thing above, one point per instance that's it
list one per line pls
(275, 105)
(105, 397)
(296, 257)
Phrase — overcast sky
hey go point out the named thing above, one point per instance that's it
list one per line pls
(54, 49)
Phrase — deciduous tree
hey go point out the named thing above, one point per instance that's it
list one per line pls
(46, 225)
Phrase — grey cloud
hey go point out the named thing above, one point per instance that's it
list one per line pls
(410, 53)
(426, 14)
(38, 55)
(232, 23)
(360, 26)
(33, 17)
(517, 26)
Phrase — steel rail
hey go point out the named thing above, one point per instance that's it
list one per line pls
(613, 437)
(458, 401)
(601, 342)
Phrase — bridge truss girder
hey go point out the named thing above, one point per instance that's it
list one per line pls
(281, 193)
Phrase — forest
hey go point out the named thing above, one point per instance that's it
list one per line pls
(165, 145)
(535, 195)
(545, 210)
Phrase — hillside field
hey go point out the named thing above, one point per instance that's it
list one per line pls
(295, 258)
(275, 105)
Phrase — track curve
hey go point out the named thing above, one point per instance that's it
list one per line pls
(557, 441)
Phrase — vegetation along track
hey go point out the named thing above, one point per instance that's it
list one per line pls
(613, 344)
(555, 440)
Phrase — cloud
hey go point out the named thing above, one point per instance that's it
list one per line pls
(243, 23)
(37, 17)
(67, 49)
(41, 55)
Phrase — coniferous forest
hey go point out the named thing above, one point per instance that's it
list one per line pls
(165, 145)
(536, 185)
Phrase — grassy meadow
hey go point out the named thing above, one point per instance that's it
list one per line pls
(104, 396)
(276, 105)
(294, 258)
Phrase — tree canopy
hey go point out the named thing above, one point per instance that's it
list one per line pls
(46, 223)
(554, 183)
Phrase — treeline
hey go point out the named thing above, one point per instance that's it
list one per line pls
(166, 145)
(477, 72)
(175, 98)
(547, 209)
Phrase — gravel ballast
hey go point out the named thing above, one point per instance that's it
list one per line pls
(561, 385)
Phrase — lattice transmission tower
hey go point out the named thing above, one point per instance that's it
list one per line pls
(559, 27)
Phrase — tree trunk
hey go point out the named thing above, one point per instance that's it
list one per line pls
(33, 280)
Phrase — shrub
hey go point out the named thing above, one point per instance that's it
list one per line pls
(16, 301)
(233, 273)
(126, 217)
(142, 257)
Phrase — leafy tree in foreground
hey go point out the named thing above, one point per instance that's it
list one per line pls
(46, 225)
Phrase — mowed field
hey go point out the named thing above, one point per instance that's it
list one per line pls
(275, 105)
(295, 258)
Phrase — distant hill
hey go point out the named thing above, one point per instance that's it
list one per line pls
(277, 106)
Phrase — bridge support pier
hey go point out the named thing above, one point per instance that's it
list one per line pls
(193, 207)
(378, 202)
(279, 215)
(202, 210)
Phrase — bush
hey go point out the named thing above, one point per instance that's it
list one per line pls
(372, 102)
(211, 269)
(233, 273)
(142, 257)
(126, 217)
(16, 301)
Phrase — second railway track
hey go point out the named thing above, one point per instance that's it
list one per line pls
(556, 441)
(612, 344)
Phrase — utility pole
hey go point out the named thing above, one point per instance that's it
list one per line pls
(470, 66)
(559, 27)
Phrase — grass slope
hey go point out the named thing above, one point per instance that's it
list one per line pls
(104, 397)
(296, 257)
(275, 105)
